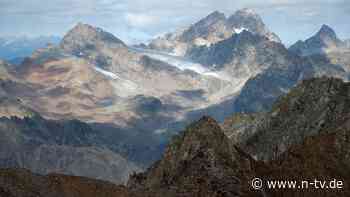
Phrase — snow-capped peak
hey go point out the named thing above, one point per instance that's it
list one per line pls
(239, 30)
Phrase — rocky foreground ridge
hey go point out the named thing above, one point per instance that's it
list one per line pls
(304, 137)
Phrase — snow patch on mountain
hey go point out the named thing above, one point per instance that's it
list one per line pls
(106, 73)
(181, 63)
(123, 87)
(239, 30)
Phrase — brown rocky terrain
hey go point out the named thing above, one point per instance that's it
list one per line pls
(128, 98)
(199, 162)
(203, 161)
(261, 91)
(316, 107)
(93, 75)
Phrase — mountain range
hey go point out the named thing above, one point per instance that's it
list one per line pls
(93, 106)
(212, 29)
(209, 159)
(14, 49)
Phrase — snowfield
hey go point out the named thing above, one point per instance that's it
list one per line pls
(180, 63)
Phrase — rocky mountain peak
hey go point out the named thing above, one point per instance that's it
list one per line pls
(321, 90)
(250, 20)
(216, 15)
(206, 128)
(327, 32)
(214, 22)
(86, 37)
(212, 29)
(200, 136)
(201, 157)
(315, 106)
(229, 54)
(323, 41)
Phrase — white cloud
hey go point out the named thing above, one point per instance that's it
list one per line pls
(140, 20)
(310, 13)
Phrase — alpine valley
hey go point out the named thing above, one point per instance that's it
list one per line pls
(196, 112)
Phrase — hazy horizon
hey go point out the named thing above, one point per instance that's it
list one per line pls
(136, 21)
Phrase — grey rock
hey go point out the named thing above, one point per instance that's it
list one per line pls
(315, 107)
(324, 40)
(212, 29)
(85, 37)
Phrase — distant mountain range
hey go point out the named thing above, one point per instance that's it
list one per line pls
(14, 49)
(212, 29)
(93, 106)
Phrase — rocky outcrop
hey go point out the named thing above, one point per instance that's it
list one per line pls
(323, 41)
(260, 92)
(211, 30)
(315, 107)
(304, 137)
(84, 37)
(242, 55)
(248, 19)
(322, 157)
(14, 107)
(200, 162)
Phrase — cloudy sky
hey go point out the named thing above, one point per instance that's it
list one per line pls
(139, 20)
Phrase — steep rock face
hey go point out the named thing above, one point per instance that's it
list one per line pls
(304, 137)
(85, 37)
(99, 47)
(242, 126)
(316, 107)
(261, 91)
(251, 21)
(325, 48)
(323, 157)
(212, 29)
(200, 162)
(323, 41)
(242, 55)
